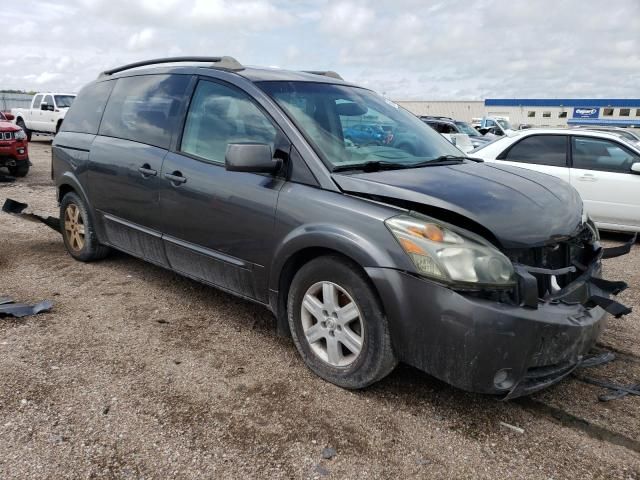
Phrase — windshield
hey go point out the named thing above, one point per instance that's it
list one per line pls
(504, 123)
(64, 101)
(468, 129)
(351, 126)
(2, 117)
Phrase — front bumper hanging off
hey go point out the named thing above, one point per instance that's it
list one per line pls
(487, 346)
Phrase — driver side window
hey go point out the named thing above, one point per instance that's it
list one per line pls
(220, 115)
(603, 155)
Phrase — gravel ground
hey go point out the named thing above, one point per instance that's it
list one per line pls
(140, 373)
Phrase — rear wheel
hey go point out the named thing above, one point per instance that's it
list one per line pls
(20, 170)
(338, 325)
(22, 125)
(78, 230)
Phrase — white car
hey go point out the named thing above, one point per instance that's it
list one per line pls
(603, 167)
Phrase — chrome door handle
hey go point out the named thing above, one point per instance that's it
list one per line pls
(176, 178)
(147, 171)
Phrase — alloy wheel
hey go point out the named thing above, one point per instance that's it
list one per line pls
(332, 324)
(74, 227)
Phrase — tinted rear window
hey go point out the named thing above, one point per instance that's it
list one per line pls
(86, 111)
(145, 108)
(540, 149)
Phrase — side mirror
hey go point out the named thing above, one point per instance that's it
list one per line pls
(251, 157)
(9, 116)
(635, 168)
(44, 106)
(483, 130)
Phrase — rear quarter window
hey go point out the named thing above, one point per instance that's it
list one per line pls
(145, 108)
(87, 109)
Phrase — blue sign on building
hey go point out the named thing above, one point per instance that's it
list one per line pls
(586, 112)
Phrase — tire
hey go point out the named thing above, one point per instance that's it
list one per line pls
(343, 367)
(20, 170)
(21, 124)
(78, 232)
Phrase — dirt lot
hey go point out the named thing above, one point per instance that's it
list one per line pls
(139, 373)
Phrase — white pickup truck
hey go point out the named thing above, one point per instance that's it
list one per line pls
(45, 115)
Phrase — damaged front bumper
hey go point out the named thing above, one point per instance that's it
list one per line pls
(487, 346)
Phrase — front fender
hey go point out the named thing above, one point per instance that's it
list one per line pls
(380, 250)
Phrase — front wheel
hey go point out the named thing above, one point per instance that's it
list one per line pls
(338, 325)
(78, 231)
(20, 170)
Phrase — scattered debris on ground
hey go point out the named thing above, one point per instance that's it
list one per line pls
(8, 308)
(14, 207)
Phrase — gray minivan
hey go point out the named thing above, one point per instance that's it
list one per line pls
(485, 276)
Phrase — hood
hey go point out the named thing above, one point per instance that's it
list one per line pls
(7, 126)
(522, 208)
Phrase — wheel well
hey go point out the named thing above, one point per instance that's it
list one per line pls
(291, 267)
(63, 190)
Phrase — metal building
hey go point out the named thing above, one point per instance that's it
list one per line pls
(538, 112)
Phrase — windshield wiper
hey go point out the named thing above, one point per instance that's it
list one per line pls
(376, 166)
(445, 160)
(371, 166)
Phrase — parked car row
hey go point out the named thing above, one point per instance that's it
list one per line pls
(370, 246)
(461, 134)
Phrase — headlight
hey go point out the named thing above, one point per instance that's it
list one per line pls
(450, 256)
(19, 135)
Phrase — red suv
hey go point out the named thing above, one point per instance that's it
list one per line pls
(13, 147)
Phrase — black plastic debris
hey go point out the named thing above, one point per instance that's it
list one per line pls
(8, 308)
(6, 178)
(14, 207)
(620, 250)
(597, 360)
(619, 391)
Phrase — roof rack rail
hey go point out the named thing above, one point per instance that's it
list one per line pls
(327, 73)
(226, 63)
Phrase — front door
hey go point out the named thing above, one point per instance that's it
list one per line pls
(48, 117)
(219, 225)
(601, 172)
(126, 160)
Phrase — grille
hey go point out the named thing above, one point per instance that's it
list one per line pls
(6, 135)
(577, 252)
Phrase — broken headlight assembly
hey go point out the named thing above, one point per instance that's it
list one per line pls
(449, 254)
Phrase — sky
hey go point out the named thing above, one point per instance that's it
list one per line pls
(405, 49)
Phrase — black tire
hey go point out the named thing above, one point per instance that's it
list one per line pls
(376, 358)
(89, 249)
(20, 170)
(21, 124)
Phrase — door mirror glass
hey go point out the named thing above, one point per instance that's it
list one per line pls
(483, 130)
(250, 157)
(44, 106)
(635, 168)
